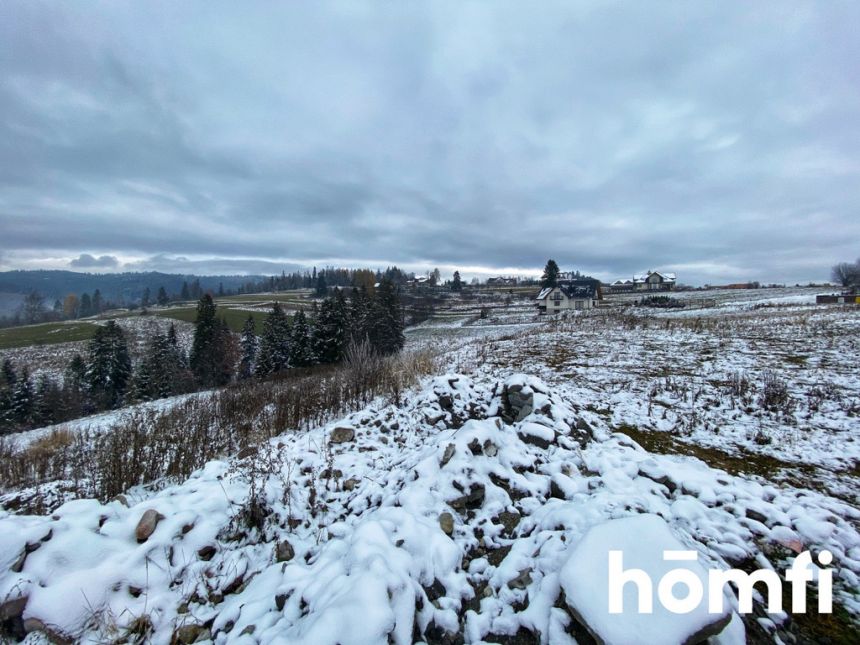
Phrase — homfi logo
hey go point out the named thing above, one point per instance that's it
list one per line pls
(693, 591)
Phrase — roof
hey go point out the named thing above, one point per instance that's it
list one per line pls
(642, 277)
(579, 290)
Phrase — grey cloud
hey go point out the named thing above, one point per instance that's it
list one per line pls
(611, 136)
(87, 261)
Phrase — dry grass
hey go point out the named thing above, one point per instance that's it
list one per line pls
(148, 445)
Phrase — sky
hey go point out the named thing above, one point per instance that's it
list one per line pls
(718, 140)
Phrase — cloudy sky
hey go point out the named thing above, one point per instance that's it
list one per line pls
(717, 139)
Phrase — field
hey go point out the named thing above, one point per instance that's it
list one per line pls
(46, 334)
(453, 493)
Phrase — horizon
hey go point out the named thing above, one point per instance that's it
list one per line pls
(717, 143)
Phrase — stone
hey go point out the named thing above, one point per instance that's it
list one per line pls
(523, 580)
(350, 484)
(642, 539)
(284, 551)
(446, 523)
(187, 634)
(146, 526)
(446, 402)
(471, 500)
(206, 553)
(490, 449)
(509, 520)
(246, 452)
(342, 434)
(51, 634)
(450, 449)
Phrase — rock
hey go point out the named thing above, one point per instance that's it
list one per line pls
(582, 424)
(284, 551)
(246, 452)
(280, 601)
(472, 500)
(446, 523)
(51, 634)
(122, 499)
(756, 516)
(146, 526)
(10, 617)
(342, 435)
(350, 484)
(509, 520)
(187, 634)
(206, 553)
(446, 402)
(555, 490)
(490, 449)
(518, 402)
(523, 580)
(450, 449)
(643, 540)
(435, 591)
(536, 435)
(249, 630)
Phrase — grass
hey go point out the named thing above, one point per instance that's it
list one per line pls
(46, 334)
(235, 317)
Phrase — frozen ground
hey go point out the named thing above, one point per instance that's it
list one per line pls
(479, 509)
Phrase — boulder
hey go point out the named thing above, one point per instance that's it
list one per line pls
(342, 434)
(642, 541)
(450, 449)
(284, 551)
(146, 526)
(446, 523)
(471, 500)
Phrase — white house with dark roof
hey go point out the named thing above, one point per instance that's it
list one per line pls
(654, 281)
(573, 295)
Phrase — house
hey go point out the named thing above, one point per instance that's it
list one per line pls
(654, 281)
(501, 282)
(576, 295)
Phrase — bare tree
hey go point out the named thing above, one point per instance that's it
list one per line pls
(33, 307)
(846, 273)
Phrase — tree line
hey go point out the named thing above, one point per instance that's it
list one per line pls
(106, 377)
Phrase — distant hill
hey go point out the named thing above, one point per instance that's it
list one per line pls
(117, 287)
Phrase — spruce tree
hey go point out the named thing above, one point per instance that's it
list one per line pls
(301, 347)
(248, 348)
(211, 346)
(273, 355)
(186, 292)
(97, 302)
(456, 283)
(109, 367)
(162, 297)
(145, 298)
(23, 399)
(86, 307)
(359, 315)
(329, 331)
(550, 275)
(387, 320)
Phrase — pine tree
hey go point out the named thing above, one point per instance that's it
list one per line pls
(248, 348)
(45, 401)
(550, 275)
(359, 315)
(162, 297)
(23, 399)
(456, 283)
(301, 347)
(86, 307)
(97, 302)
(145, 299)
(109, 367)
(330, 330)
(210, 347)
(185, 294)
(387, 320)
(273, 355)
(322, 287)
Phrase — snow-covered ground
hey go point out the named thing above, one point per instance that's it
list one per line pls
(480, 508)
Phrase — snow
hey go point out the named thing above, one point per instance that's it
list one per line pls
(643, 541)
(535, 502)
